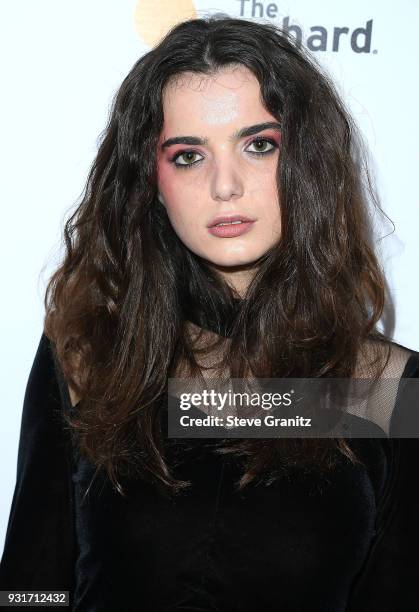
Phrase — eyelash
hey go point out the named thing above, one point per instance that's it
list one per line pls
(258, 153)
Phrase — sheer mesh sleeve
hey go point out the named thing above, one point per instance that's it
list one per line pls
(385, 401)
(389, 578)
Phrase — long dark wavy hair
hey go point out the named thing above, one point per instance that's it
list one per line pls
(115, 307)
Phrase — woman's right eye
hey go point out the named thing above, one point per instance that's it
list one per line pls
(188, 157)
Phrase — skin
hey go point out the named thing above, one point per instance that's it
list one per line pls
(223, 176)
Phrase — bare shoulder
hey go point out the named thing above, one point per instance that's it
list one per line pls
(74, 398)
(59, 370)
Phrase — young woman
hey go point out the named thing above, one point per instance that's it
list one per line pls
(226, 121)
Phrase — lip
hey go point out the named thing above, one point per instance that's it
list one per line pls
(229, 218)
(231, 231)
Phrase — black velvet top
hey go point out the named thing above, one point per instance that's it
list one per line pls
(348, 542)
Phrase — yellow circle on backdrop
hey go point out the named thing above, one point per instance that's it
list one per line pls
(153, 18)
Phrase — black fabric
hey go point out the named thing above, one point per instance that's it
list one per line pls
(348, 542)
(218, 319)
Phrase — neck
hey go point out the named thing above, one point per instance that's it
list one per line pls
(237, 277)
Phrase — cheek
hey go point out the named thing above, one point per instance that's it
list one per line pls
(170, 184)
(262, 188)
(180, 200)
(166, 182)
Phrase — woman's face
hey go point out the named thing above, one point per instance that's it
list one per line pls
(216, 158)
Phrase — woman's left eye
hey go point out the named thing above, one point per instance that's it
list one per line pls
(260, 144)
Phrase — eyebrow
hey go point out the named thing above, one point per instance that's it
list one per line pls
(246, 131)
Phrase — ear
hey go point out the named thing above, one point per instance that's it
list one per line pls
(161, 200)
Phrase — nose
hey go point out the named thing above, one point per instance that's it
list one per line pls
(226, 182)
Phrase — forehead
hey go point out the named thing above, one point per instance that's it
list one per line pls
(194, 99)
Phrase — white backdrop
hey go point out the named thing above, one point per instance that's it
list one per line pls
(61, 64)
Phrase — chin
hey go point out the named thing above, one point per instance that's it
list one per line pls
(232, 261)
